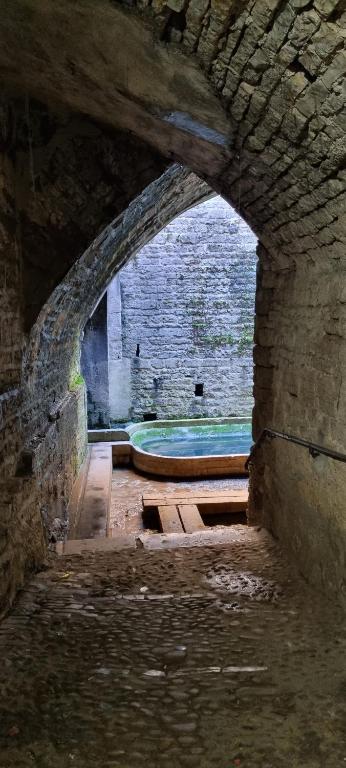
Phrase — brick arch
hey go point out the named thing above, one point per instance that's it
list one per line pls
(56, 333)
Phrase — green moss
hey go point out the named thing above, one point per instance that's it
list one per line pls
(245, 342)
(195, 302)
(218, 340)
(76, 381)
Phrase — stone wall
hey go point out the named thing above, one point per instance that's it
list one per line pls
(46, 188)
(300, 356)
(188, 312)
(21, 532)
(94, 366)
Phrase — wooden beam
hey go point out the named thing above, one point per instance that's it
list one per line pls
(190, 518)
(233, 502)
(185, 493)
(170, 520)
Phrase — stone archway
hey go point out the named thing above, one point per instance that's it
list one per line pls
(55, 438)
(76, 296)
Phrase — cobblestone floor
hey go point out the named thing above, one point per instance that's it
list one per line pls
(208, 657)
(128, 487)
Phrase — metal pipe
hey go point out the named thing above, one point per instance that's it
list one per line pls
(314, 448)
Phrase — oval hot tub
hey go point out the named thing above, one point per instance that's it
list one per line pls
(191, 448)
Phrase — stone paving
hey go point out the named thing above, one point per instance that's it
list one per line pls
(211, 657)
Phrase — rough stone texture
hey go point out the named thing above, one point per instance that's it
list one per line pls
(73, 177)
(191, 658)
(94, 366)
(274, 145)
(188, 301)
(119, 367)
(62, 178)
(50, 440)
(11, 333)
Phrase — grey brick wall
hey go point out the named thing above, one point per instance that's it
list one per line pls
(188, 302)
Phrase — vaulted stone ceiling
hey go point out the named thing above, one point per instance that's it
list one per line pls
(249, 93)
(73, 177)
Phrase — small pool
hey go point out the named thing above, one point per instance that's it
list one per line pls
(191, 448)
(206, 440)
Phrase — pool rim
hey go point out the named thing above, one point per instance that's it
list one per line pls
(171, 423)
(188, 466)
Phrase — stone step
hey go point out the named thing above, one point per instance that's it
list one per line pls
(78, 546)
(91, 495)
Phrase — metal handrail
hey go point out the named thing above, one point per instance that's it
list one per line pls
(314, 448)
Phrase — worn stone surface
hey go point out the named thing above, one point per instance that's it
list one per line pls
(188, 657)
(251, 96)
(94, 366)
(188, 302)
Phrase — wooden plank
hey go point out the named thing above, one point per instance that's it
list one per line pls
(170, 520)
(231, 494)
(185, 493)
(164, 500)
(235, 501)
(190, 518)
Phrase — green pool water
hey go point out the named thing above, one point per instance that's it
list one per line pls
(195, 440)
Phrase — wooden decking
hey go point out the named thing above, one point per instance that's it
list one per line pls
(181, 511)
(177, 512)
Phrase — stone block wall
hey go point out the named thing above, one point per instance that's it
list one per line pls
(300, 356)
(45, 225)
(94, 364)
(187, 314)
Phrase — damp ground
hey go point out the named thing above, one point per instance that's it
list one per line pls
(128, 487)
(209, 657)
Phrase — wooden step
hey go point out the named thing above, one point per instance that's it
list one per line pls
(169, 519)
(190, 518)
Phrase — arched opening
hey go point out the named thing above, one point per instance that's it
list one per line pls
(173, 335)
(181, 311)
